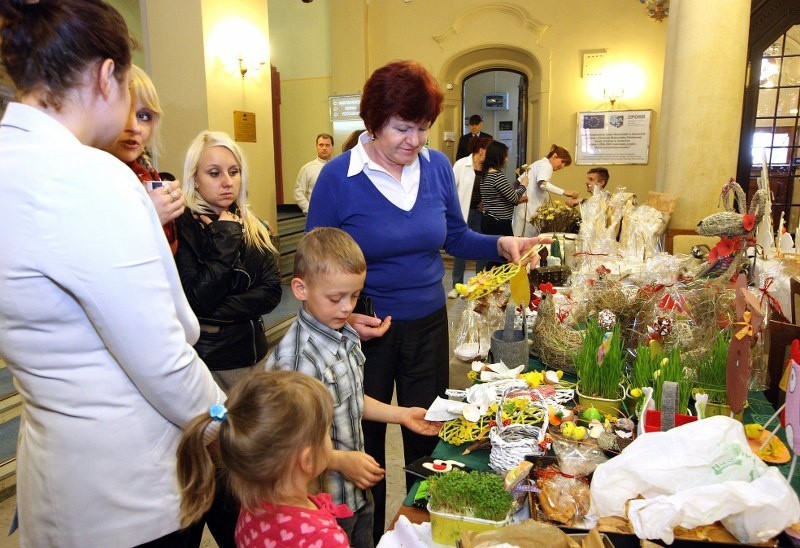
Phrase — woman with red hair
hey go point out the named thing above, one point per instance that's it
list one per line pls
(398, 200)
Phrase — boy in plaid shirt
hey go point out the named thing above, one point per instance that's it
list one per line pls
(329, 273)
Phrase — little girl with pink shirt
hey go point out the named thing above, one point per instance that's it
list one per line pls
(273, 439)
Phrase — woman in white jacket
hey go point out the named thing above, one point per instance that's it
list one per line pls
(94, 325)
(537, 181)
(466, 170)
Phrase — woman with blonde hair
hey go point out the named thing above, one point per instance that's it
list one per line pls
(227, 263)
(229, 273)
(138, 140)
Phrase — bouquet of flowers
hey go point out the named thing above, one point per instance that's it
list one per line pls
(555, 216)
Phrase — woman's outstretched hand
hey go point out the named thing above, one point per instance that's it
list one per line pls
(512, 248)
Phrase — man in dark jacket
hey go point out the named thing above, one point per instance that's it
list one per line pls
(475, 126)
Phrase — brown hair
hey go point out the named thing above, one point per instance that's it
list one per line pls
(496, 155)
(272, 416)
(404, 89)
(324, 136)
(560, 152)
(352, 140)
(47, 45)
(602, 173)
(478, 143)
(325, 250)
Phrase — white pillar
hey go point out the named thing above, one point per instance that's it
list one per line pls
(701, 106)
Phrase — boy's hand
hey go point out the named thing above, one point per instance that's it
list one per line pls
(369, 327)
(414, 419)
(357, 467)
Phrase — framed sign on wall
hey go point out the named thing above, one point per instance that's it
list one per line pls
(613, 137)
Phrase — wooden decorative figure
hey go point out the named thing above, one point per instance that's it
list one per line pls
(749, 318)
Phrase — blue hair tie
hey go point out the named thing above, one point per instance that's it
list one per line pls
(218, 412)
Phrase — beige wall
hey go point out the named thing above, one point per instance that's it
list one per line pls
(199, 86)
(455, 38)
(308, 96)
(300, 38)
(130, 11)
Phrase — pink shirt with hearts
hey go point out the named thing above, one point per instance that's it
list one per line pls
(277, 525)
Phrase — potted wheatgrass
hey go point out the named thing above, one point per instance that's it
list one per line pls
(599, 364)
(467, 501)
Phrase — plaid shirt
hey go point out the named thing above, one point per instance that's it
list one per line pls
(335, 358)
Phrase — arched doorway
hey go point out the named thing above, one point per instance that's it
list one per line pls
(500, 97)
(529, 135)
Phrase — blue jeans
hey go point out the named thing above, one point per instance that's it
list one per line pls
(474, 219)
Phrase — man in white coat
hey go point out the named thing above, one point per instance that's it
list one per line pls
(307, 177)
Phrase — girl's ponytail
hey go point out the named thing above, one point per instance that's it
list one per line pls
(195, 471)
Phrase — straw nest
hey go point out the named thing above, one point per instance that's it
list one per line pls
(627, 304)
(555, 343)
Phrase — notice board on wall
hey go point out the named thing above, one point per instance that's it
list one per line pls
(613, 137)
(244, 126)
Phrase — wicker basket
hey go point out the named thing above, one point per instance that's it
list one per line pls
(512, 443)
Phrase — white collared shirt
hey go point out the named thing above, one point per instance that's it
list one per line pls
(403, 194)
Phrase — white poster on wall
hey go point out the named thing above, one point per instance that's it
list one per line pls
(613, 137)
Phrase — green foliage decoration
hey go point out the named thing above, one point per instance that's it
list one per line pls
(474, 494)
(600, 379)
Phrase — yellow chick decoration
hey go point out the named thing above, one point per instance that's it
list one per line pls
(579, 433)
(773, 449)
(533, 378)
(569, 430)
(753, 431)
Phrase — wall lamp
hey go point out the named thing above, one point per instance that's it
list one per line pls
(612, 93)
(252, 68)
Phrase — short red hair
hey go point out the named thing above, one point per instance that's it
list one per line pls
(404, 89)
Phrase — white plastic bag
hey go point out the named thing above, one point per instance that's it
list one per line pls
(694, 475)
(472, 340)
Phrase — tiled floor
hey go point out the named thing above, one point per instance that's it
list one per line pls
(394, 447)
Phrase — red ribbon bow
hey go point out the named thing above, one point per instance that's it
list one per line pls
(773, 302)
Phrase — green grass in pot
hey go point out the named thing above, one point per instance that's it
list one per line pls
(671, 369)
(710, 373)
(648, 357)
(599, 380)
(473, 494)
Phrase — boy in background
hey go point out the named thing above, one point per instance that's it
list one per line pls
(596, 181)
(329, 273)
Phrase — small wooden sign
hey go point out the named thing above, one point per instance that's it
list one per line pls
(244, 126)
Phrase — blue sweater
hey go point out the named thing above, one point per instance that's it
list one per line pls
(404, 267)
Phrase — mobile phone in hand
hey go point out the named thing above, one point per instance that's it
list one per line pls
(364, 306)
(153, 184)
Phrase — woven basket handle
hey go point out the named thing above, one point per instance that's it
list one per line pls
(670, 398)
